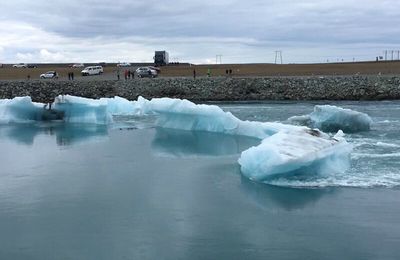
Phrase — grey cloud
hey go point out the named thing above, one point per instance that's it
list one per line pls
(255, 24)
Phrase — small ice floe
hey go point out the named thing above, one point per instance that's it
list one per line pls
(332, 119)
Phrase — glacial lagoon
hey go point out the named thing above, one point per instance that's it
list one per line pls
(132, 190)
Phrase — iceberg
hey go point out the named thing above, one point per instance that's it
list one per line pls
(287, 153)
(70, 109)
(22, 109)
(285, 149)
(332, 119)
(185, 115)
(83, 110)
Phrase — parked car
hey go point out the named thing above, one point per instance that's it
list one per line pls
(92, 70)
(31, 66)
(146, 72)
(77, 65)
(123, 64)
(20, 65)
(49, 75)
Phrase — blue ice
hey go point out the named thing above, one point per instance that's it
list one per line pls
(332, 119)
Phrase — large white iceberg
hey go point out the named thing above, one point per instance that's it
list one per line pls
(185, 115)
(291, 152)
(332, 119)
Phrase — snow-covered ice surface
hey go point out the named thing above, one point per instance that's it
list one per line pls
(296, 152)
(332, 119)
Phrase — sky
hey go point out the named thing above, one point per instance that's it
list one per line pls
(306, 31)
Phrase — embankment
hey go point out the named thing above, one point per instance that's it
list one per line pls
(214, 89)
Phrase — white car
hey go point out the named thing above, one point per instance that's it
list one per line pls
(92, 70)
(143, 72)
(49, 75)
(20, 65)
(78, 65)
(124, 64)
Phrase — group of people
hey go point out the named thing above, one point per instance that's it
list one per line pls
(228, 72)
(127, 74)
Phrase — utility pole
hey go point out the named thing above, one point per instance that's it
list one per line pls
(218, 58)
(392, 52)
(386, 52)
(278, 57)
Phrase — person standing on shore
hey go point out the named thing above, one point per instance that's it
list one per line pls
(194, 73)
(208, 72)
(72, 75)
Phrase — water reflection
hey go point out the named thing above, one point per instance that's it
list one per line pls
(178, 143)
(286, 198)
(65, 134)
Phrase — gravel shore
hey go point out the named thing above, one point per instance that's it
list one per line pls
(214, 88)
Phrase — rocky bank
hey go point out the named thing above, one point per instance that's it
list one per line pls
(213, 89)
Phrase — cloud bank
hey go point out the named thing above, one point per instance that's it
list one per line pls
(195, 31)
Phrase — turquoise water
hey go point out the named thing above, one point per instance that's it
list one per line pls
(133, 191)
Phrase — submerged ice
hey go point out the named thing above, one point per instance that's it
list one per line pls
(332, 119)
(284, 149)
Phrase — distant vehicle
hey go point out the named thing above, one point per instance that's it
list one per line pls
(20, 65)
(92, 70)
(148, 72)
(49, 75)
(31, 66)
(161, 58)
(155, 68)
(123, 64)
(77, 65)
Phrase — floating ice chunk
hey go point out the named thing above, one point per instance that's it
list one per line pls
(83, 110)
(290, 152)
(185, 115)
(331, 119)
(20, 109)
(69, 108)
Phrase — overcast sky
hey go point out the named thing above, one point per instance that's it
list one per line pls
(197, 30)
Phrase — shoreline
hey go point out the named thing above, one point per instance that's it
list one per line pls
(202, 89)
